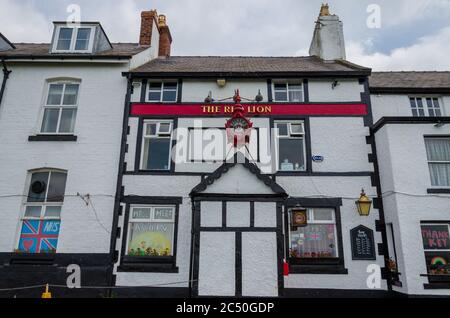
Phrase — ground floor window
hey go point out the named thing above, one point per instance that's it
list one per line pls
(151, 231)
(40, 224)
(317, 238)
(436, 244)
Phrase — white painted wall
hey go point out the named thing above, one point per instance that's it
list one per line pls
(348, 90)
(91, 162)
(405, 179)
(198, 90)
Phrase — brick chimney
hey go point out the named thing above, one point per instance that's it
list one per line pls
(147, 20)
(165, 38)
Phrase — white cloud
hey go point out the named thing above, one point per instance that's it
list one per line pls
(428, 53)
(21, 21)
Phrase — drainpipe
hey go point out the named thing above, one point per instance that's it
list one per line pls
(6, 73)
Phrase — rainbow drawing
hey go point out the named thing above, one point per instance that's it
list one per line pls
(438, 260)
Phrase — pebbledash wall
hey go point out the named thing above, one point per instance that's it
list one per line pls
(408, 195)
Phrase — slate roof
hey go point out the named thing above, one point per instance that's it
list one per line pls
(409, 82)
(42, 50)
(246, 66)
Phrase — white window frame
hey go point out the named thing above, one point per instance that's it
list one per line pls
(289, 136)
(310, 218)
(425, 107)
(147, 97)
(60, 107)
(150, 220)
(74, 39)
(43, 204)
(436, 162)
(288, 89)
(156, 136)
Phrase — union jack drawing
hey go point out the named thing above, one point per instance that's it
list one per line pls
(39, 236)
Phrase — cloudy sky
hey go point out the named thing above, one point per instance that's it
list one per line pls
(412, 35)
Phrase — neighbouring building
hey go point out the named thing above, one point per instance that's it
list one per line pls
(411, 115)
(184, 176)
(61, 112)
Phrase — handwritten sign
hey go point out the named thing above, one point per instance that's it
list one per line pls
(435, 237)
(363, 245)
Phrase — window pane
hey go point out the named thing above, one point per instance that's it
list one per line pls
(39, 236)
(323, 214)
(53, 212)
(68, 116)
(83, 35)
(169, 96)
(280, 87)
(71, 94)
(65, 37)
(314, 241)
(164, 128)
(33, 211)
(157, 150)
(281, 96)
(435, 236)
(150, 239)
(50, 120)
(295, 96)
(57, 187)
(438, 149)
(164, 214)
(282, 129)
(296, 129)
(38, 187)
(54, 94)
(440, 174)
(295, 87)
(291, 156)
(141, 213)
(171, 85)
(154, 96)
(151, 129)
(155, 86)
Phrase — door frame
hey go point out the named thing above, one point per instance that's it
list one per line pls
(197, 229)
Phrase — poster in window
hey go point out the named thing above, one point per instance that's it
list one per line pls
(39, 236)
(363, 244)
(435, 237)
(151, 239)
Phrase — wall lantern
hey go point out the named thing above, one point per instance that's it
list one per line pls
(221, 82)
(363, 204)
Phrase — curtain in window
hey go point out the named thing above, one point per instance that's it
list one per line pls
(438, 153)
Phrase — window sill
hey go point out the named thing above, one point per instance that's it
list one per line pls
(317, 269)
(53, 138)
(438, 190)
(437, 286)
(32, 259)
(149, 268)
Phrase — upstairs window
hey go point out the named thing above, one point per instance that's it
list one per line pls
(290, 139)
(438, 154)
(162, 92)
(425, 106)
(74, 39)
(288, 92)
(60, 108)
(157, 144)
(42, 217)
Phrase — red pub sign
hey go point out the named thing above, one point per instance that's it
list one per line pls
(344, 109)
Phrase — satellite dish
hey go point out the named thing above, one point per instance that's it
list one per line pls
(38, 187)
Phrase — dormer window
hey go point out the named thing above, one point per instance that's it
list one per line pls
(74, 39)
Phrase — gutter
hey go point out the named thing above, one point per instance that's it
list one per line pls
(6, 73)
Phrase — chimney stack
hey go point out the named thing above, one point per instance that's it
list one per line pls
(328, 39)
(165, 38)
(147, 20)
